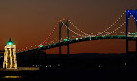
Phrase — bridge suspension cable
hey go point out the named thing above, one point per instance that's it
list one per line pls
(83, 33)
(32, 46)
(78, 29)
(117, 28)
(49, 34)
(112, 25)
(73, 31)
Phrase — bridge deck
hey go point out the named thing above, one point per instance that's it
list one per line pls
(81, 40)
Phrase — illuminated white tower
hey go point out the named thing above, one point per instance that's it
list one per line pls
(10, 56)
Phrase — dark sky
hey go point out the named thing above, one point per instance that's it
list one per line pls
(29, 22)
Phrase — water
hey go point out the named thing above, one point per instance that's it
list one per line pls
(83, 67)
(11, 77)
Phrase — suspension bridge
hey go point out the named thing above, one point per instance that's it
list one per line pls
(111, 32)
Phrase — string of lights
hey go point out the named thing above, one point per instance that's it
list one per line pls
(117, 28)
(33, 46)
(113, 24)
(80, 35)
(78, 29)
(73, 31)
(49, 34)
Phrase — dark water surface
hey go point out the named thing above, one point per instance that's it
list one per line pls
(78, 67)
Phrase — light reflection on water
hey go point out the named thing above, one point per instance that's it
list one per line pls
(12, 77)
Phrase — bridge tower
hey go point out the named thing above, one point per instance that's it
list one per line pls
(10, 56)
(64, 22)
(129, 13)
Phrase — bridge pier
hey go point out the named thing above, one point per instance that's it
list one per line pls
(67, 23)
(136, 37)
(60, 26)
(128, 14)
(126, 57)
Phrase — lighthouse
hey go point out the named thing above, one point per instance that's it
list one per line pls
(10, 61)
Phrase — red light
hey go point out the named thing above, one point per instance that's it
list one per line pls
(63, 19)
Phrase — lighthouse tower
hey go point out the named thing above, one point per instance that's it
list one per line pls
(10, 56)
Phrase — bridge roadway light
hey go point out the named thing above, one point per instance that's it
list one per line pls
(40, 46)
(65, 40)
(76, 38)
